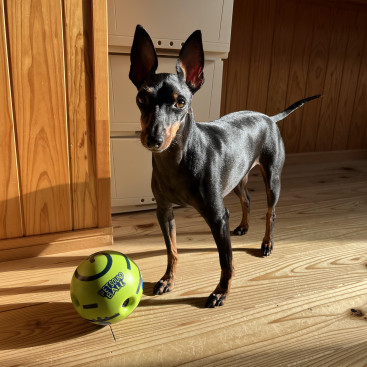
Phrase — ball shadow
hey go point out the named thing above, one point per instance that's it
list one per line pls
(27, 325)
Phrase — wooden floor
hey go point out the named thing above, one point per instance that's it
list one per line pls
(305, 305)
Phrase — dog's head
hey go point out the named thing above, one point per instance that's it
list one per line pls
(164, 99)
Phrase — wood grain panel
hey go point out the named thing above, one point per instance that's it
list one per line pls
(10, 211)
(358, 128)
(236, 68)
(349, 83)
(342, 21)
(80, 110)
(300, 58)
(37, 71)
(101, 112)
(280, 58)
(261, 54)
(316, 47)
(305, 305)
(315, 76)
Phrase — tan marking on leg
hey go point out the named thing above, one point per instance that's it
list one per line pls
(242, 193)
(172, 256)
(268, 238)
(168, 279)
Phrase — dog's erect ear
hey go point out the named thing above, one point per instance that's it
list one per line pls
(143, 57)
(190, 63)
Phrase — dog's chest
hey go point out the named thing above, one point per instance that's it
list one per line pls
(176, 183)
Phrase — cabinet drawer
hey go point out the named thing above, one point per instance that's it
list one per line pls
(173, 21)
(131, 173)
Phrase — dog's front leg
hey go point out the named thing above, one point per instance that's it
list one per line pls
(167, 222)
(219, 226)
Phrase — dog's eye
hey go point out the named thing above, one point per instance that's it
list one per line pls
(180, 103)
(142, 99)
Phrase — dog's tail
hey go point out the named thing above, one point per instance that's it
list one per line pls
(293, 107)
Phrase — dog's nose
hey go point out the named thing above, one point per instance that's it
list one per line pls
(154, 141)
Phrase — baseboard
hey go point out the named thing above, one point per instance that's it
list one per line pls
(327, 156)
(47, 244)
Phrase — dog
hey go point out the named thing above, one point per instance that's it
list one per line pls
(198, 164)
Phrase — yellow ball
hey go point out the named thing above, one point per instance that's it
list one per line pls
(106, 287)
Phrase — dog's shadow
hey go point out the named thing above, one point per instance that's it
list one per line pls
(255, 252)
(197, 302)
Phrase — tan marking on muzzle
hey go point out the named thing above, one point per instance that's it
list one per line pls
(143, 134)
(170, 134)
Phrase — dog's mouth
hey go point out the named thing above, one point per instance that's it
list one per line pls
(156, 149)
(158, 144)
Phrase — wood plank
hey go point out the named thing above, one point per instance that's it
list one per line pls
(55, 243)
(37, 73)
(342, 21)
(237, 66)
(330, 62)
(315, 77)
(296, 88)
(263, 26)
(10, 210)
(357, 138)
(280, 58)
(101, 112)
(304, 305)
(80, 110)
(352, 65)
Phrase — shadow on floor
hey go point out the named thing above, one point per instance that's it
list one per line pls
(27, 325)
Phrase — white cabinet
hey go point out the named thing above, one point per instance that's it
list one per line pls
(130, 174)
(167, 24)
(170, 22)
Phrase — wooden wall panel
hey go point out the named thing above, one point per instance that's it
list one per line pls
(37, 74)
(236, 69)
(338, 44)
(281, 58)
(316, 47)
(101, 112)
(316, 74)
(297, 77)
(10, 211)
(262, 37)
(79, 82)
(358, 129)
(352, 64)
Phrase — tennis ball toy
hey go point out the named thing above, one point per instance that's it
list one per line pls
(106, 287)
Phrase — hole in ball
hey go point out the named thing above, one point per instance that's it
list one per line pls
(75, 300)
(126, 302)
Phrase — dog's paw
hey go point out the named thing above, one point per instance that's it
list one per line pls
(267, 248)
(216, 300)
(240, 231)
(165, 285)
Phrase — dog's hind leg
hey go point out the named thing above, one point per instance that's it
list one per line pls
(244, 196)
(271, 175)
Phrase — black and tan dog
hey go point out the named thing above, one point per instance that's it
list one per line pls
(198, 164)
